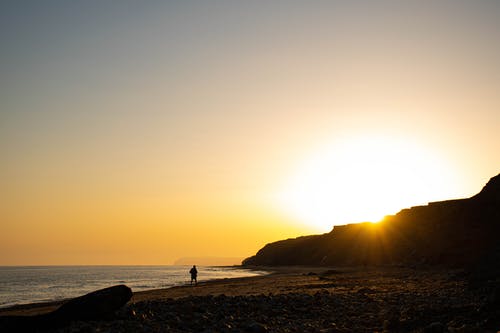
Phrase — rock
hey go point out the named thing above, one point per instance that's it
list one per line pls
(391, 318)
(332, 329)
(96, 305)
(365, 291)
(436, 327)
(463, 329)
(256, 327)
(494, 297)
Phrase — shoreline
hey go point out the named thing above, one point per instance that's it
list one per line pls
(36, 308)
(40, 307)
(204, 287)
(308, 299)
(266, 270)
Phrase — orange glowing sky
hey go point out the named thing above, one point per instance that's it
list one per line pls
(140, 133)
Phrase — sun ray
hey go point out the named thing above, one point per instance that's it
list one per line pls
(364, 179)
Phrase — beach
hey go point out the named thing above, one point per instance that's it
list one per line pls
(306, 299)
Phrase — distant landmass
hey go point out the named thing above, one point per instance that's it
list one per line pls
(455, 233)
(209, 261)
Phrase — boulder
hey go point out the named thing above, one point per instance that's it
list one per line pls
(95, 305)
(100, 304)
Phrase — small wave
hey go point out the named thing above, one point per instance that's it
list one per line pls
(144, 286)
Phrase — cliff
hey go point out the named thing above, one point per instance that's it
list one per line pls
(454, 233)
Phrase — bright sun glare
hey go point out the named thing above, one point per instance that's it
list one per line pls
(364, 179)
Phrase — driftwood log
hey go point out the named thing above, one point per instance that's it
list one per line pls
(100, 304)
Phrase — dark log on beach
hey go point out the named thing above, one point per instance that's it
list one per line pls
(100, 304)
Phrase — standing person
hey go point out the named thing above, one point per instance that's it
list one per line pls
(194, 275)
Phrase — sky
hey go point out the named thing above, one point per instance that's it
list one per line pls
(141, 132)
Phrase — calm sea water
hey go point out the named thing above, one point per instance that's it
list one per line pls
(21, 285)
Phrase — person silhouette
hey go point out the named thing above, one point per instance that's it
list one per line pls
(194, 275)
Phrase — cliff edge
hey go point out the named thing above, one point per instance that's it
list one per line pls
(455, 233)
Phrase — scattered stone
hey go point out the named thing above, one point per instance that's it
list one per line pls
(406, 301)
(255, 327)
(436, 327)
(366, 291)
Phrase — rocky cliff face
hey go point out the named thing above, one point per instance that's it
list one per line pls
(454, 233)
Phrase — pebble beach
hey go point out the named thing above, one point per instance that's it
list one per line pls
(356, 299)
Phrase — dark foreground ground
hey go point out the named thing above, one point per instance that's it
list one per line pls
(311, 300)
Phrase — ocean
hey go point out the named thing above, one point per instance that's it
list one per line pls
(32, 284)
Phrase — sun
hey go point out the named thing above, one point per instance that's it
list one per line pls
(363, 179)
